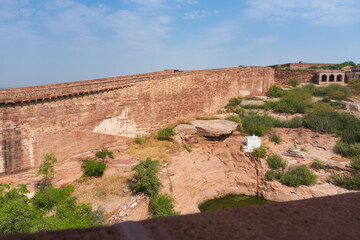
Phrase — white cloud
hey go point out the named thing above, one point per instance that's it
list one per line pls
(199, 14)
(321, 12)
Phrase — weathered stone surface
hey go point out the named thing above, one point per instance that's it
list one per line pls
(214, 128)
(184, 131)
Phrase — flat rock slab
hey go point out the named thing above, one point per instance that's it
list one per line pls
(214, 128)
(185, 129)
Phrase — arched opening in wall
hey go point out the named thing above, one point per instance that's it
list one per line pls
(323, 78)
(339, 78)
(332, 78)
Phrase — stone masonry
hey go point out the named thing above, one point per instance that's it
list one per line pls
(71, 118)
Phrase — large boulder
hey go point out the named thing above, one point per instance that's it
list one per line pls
(184, 131)
(214, 128)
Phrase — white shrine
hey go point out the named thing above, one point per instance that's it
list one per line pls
(251, 143)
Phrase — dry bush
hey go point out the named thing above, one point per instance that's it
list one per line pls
(154, 149)
(183, 121)
(100, 189)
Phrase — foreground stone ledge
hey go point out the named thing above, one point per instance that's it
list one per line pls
(335, 217)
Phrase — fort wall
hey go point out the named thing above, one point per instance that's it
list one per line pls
(71, 118)
(305, 76)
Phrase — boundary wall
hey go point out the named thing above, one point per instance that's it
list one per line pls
(71, 118)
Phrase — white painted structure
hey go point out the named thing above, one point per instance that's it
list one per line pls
(251, 143)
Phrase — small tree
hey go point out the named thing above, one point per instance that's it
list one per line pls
(93, 168)
(276, 161)
(47, 168)
(147, 181)
(165, 134)
(104, 153)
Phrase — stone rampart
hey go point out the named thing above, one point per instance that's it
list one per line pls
(71, 118)
(305, 76)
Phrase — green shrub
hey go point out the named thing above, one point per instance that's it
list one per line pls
(145, 176)
(321, 108)
(275, 138)
(301, 95)
(258, 125)
(321, 123)
(326, 100)
(165, 134)
(355, 162)
(294, 82)
(349, 182)
(310, 87)
(269, 105)
(162, 205)
(260, 152)
(300, 175)
(93, 168)
(337, 91)
(234, 118)
(104, 153)
(252, 98)
(48, 197)
(234, 102)
(276, 161)
(275, 92)
(253, 106)
(270, 175)
(346, 149)
(317, 164)
(289, 106)
(338, 104)
(295, 122)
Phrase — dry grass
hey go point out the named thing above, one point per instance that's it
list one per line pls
(340, 159)
(184, 121)
(155, 149)
(100, 189)
(207, 117)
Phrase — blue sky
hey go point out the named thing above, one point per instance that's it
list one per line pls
(51, 41)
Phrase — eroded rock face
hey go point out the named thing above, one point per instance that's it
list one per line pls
(214, 128)
(213, 169)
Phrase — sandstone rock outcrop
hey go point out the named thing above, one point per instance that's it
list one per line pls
(214, 128)
(184, 131)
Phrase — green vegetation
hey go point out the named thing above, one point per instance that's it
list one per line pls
(103, 154)
(295, 82)
(47, 168)
(317, 164)
(300, 175)
(162, 205)
(233, 103)
(349, 182)
(147, 182)
(252, 98)
(234, 118)
(50, 209)
(166, 134)
(92, 167)
(335, 67)
(260, 152)
(346, 149)
(295, 122)
(187, 147)
(355, 163)
(253, 106)
(145, 176)
(260, 125)
(289, 106)
(275, 138)
(275, 92)
(139, 140)
(270, 175)
(231, 201)
(276, 162)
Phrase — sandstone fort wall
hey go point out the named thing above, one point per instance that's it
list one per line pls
(72, 118)
(305, 76)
